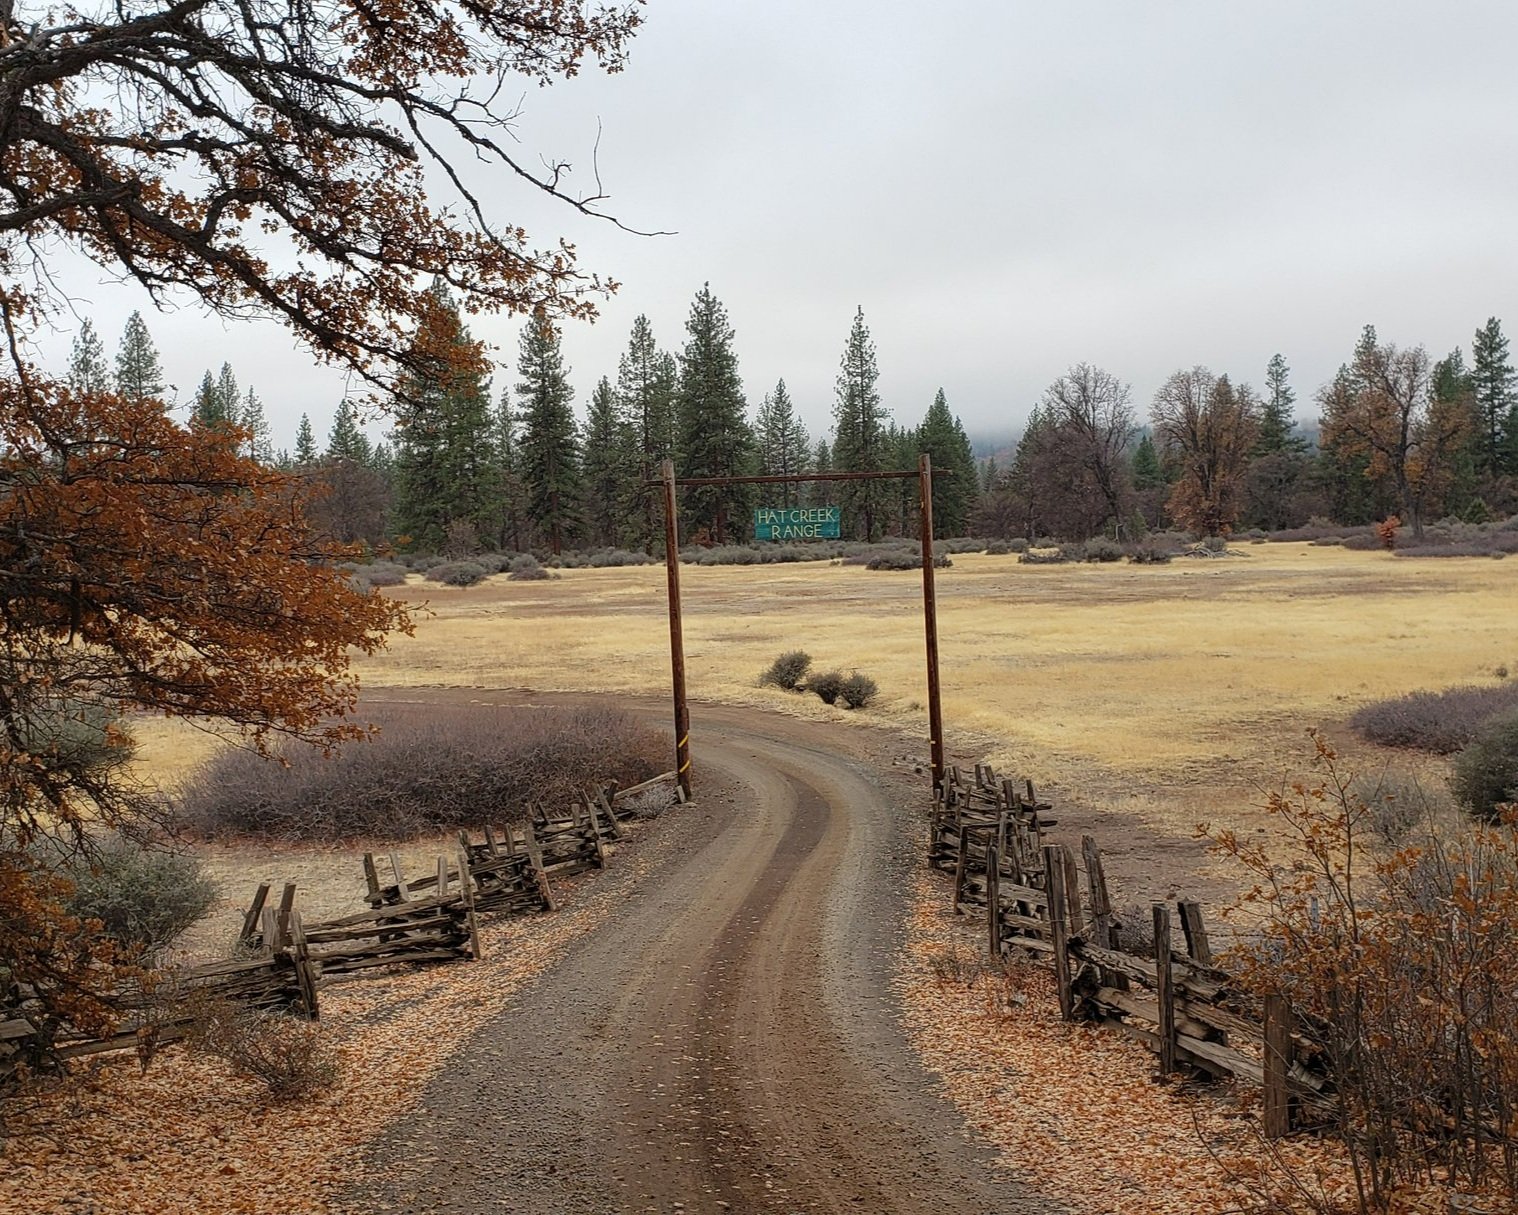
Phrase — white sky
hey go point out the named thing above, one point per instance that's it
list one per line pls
(1008, 188)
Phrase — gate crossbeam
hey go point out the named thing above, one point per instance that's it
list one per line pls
(924, 474)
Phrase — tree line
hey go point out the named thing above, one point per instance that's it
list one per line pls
(1398, 435)
(466, 468)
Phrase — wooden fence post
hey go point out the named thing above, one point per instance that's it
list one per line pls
(1054, 893)
(993, 898)
(960, 864)
(286, 906)
(305, 973)
(466, 892)
(1276, 1109)
(1075, 920)
(254, 913)
(1197, 946)
(1164, 988)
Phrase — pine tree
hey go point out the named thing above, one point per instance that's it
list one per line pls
(550, 461)
(989, 475)
(87, 367)
(346, 440)
(944, 440)
(859, 433)
(139, 375)
(1277, 420)
(647, 380)
(1495, 388)
(611, 467)
(228, 394)
(305, 443)
(216, 400)
(784, 448)
(257, 425)
(820, 493)
(444, 459)
(206, 411)
(714, 435)
(511, 499)
(1147, 473)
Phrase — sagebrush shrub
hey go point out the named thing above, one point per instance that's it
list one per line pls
(1440, 722)
(143, 897)
(457, 573)
(431, 768)
(290, 1058)
(1486, 772)
(828, 686)
(788, 670)
(857, 691)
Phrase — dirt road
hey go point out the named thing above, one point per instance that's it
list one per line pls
(727, 1040)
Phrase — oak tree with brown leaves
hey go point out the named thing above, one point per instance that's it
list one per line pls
(1210, 428)
(268, 158)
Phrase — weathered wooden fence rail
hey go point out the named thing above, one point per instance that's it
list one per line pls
(426, 919)
(1039, 898)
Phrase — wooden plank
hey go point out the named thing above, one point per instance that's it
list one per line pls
(442, 875)
(401, 889)
(1054, 865)
(993, 900)
(305, 972)
(1075, 916)
(1275, 1113)
(254, 913)
(269, 925)
(466, 891)
(1195, 932)
(959, 867)
(1164, 988)
(633, 790)
(286, 905)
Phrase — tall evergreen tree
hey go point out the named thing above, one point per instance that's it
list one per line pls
(859, 433)
(612, 467)
(1495, 388)
(87, 366)
(820, 493)
(944, 440)
(647, 381)
(510, 529)
(714, 439)
(216, 400)
(784, 448)
(252, 419)
(443, 454)
(1277, 420)
(550, 460)
(346, 440)
(139, 374)
(305, 443)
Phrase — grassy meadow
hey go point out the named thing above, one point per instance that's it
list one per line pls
(1173, 693)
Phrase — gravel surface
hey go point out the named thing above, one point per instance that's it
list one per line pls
(728, 1041)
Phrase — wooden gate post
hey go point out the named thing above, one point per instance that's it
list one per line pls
(676, 633)
(930, 618)
(1054, 896)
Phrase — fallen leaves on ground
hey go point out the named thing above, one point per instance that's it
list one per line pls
(188, 1137)
(1076, 1109)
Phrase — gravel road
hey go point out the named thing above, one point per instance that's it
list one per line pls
(727, 1040)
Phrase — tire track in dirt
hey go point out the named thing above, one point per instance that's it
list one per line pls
(727, 1041)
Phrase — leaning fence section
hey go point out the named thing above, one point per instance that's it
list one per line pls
(1043, 899)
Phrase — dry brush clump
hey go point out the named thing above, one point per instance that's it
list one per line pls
(430, 768)
(787, 671)
(289, 1057)
(1402, 964)
(1440, 722)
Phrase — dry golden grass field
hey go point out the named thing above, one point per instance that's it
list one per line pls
(1170, 693)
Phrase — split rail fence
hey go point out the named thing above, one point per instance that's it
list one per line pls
(990, 834)
(423, 919)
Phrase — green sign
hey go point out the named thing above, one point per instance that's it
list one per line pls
(797, 523)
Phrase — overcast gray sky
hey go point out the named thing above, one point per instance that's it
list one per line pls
(1008, 188)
